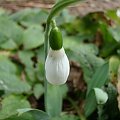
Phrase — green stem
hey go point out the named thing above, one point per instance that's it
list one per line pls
(99, 108)
(46, 52)
(53, 24)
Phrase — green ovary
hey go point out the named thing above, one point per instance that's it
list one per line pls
(55, 39)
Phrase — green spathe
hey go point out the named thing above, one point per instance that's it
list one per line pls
(55, 39)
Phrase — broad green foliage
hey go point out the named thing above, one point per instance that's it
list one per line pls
(29, 114)
(30, 17)
(98, 80)
(26, 58)
(11, 34)
(10, 105)
(54, 99)
(7, 66)
(38, 90)
(33, 37)
(115, 33)
(13, 84)
(35, 114)
(90, 41)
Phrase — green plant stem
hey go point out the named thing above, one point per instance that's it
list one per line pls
(99, 108)
(53, 24)
(46, 52)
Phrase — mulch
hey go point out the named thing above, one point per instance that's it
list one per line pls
(80, 9)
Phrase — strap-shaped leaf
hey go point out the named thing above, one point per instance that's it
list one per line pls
(99, 79)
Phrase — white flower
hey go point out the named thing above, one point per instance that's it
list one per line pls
(57, 67)
(118, 12)
(101, 96)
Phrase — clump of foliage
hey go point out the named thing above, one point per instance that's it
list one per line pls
(90, 41)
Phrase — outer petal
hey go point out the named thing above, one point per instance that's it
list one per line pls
(57, 67)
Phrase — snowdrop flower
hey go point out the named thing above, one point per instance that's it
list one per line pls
(57, 64)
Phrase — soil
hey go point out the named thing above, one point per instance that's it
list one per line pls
(80, 9)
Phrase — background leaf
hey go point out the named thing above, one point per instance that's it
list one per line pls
(33, 37)
(100, 77)
(37, 114)
(54, 99)
(11, 83)
(10, 104)
(10, 32)
(7, 66)
(98, 80)
(28, 17)
(38, 90)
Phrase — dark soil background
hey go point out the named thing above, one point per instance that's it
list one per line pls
(81, 9)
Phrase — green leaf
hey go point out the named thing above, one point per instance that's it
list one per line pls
(54, 99)
(10, 105)
(36, 114)
(28, 17)
(40, 71)
(22, 117)
(9, 45)
(89, 62)
(6, 65)
(74, 44)
(11, 83)
(90, 103)
(115, 32)
(64, 17)
(29, 114)
(41, 54)
(26, 58)
(33, 37)
(30, 72)
(11, 31)
(109, 44)
(38, 90)
(3, 38)
(99, 78)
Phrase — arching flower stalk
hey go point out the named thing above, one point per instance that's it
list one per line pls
(57, 64)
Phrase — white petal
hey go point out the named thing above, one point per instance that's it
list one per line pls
(57, 67)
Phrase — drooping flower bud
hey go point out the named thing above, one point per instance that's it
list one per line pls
(57, 64)
(57, 67)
